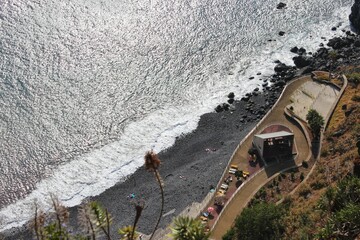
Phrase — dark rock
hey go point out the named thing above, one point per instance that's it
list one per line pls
(259, 73)
(302, 51)
(277, 61)
(301, 61)
(256, 89)
(338, 43)
(281, 5)
(321, 52)
(281, 67)
(294, 49)
(251, 78)
(281, 33)
(245, 99)
(231, 95)
(265, 84)
(280, 83)
(230, 100)
(305, 70)
(225, 106)
(321, 44)
(344, 107)
(333, 29)
(219, 108)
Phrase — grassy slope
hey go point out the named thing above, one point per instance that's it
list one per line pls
(337, 157)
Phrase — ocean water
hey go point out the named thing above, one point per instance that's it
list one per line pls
(86, 87)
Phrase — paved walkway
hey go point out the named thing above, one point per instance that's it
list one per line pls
(221, 223)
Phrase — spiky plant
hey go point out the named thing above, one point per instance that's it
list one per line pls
(152, 163)
(128, 233)
(185, 228)
(52, 225)
(95, 219)
(38, 222)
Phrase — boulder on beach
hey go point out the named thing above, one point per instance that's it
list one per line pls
(338, 43)
(231, 95)
(302, 61)
(281, 33)
(302, 51)
(294, 49)
(281, 5)
(281, 67)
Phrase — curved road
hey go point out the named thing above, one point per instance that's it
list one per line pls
(248, 190)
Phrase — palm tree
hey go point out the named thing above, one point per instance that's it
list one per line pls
(185, 228)
(152, 163)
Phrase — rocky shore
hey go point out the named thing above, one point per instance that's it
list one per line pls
(196, 161)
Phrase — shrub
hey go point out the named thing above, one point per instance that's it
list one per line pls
(292, 176)
(354, 78)
(324, 153)
(304, 191)
(315, 121)
(356, 98)
(305, 164)
(229, 235)
(279, 178)
(262, 221)
(283, 175)
(302, 177)
(318, 185)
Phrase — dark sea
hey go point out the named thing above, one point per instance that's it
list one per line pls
(86, 87)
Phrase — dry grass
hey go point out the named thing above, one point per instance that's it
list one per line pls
(338, 155)
(339, 117)
(324, 76)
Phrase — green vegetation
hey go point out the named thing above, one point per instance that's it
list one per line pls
(315, 121)
(354, 78)
(342, 204)
(185, 228)
(262, 221)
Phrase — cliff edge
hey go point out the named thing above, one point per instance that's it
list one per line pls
(354, 17)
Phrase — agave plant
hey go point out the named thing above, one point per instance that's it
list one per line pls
(185, 228)
(128, 233)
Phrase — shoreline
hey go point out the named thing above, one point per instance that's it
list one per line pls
(188, 170)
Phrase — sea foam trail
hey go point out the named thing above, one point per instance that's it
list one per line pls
(92, 173)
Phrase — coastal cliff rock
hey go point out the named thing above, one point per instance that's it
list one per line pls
(355, 15)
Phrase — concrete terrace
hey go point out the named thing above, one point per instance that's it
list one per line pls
(313, 95)
(323, 98)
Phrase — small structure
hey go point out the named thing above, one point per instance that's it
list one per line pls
(274, 144)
